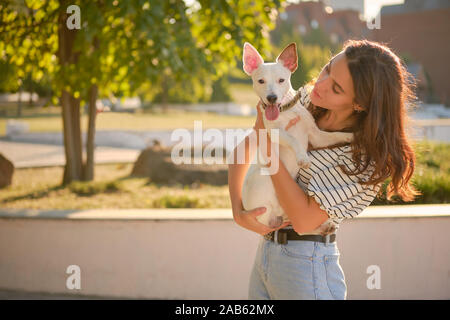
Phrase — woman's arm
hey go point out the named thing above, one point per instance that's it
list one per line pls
(237, 172)
(303, 211)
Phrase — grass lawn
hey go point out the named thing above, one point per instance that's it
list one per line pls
(431, 175)
(49, 119)
(52, 121)
(38, 188)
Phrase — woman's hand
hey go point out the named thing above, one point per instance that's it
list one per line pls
(259, 123)
(292, 122)
(247, 220)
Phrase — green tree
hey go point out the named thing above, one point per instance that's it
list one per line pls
(122, 46)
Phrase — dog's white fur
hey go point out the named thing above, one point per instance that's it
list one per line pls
(258, 189)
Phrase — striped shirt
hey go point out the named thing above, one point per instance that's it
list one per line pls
(340, 195)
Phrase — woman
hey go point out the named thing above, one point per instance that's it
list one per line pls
(364, 89)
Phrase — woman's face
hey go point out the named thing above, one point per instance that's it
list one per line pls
(333, 89)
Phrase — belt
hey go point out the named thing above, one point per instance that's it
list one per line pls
(282, 236)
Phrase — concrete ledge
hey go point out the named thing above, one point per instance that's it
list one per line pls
(406, 211)
(204, 254)
(399, 211)
(120, 214)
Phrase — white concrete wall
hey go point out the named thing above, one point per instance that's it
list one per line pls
(203, 254)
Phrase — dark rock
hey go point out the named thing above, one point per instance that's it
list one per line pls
(6, 171)
(155, 163)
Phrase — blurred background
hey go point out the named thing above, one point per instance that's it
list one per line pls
(79, 106)
(91, 92)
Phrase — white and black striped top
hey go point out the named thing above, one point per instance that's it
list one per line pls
(340, 195)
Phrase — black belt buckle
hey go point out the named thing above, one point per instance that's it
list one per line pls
(280, 237)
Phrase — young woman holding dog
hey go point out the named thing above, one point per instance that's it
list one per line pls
(364, 89)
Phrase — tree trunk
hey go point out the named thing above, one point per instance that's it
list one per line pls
(77, 139)
(164, 93)
(30, 90)
(19, 103)
(88, 167)
(70, 106)
(70, 172)
(90, 141)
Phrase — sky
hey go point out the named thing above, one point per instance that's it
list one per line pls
(371, 7)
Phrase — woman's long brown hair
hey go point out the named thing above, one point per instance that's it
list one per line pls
(384, 89)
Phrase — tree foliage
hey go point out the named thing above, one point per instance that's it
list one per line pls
(123, 46)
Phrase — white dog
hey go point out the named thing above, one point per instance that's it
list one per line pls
(280, 104)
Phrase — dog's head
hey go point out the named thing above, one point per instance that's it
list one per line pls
(271, 81)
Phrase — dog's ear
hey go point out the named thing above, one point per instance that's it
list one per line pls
(251, 58)
(288, 57)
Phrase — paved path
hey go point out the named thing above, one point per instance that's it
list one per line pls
(125, 138)
(40, 149)
(26, 155)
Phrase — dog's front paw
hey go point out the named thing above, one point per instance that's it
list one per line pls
(303, 161)
(304, 164)
(347, 136)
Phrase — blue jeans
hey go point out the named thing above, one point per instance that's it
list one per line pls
(298, 270)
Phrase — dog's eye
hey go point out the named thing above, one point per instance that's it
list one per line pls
(281, 80)
(261, 81)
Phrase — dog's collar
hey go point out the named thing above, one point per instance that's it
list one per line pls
(288, 105)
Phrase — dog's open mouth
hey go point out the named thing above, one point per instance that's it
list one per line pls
(272, 111)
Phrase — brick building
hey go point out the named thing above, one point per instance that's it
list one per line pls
(420, 30)
(417, 30)
(340, 25)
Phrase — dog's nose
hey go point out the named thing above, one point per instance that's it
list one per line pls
(271, 98)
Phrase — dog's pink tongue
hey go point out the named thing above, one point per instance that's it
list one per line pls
(272, 112)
